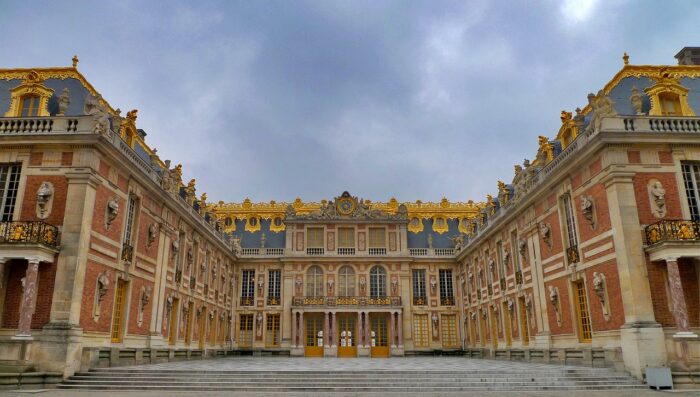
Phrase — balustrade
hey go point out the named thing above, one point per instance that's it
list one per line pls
(672, 230)
(36, 232)
(359, 301)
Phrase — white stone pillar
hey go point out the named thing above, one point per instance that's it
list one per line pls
(26, 311)
(326, 328)
(294, 329)
(400, 329)
(358, 334)
(393, 330)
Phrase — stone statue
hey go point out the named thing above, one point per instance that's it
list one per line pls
(99, 115)
(43, 200)
(546, 232)
(102, 286)
(63, 102)
(587, 209)
(152, 230)
(430, 241)
(289, 212)
(602, 106)
(458, 241)
(658, 198)
(263, 240)
(522, 247)
(236, 245)
(636, 100)
(599, 286)
(112, 211)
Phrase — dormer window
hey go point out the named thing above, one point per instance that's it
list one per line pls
(670, 104)
(29, 106)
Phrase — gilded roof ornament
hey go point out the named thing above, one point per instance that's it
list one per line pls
(75, 61)
(626, 59)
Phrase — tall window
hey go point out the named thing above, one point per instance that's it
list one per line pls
(248, 287)
(584, 319)
(314, 237)
(273, 287)
(346, 237)
(499, 260)
(446, 291)
(377, 282)
(514, 250)
(420, 330)
(29, 106)
(9, 180)
(377, 237)
(173, 322)
(346, 281)
(419, 297)
(449, 331)
(188, 323)
(314, 282)
(570, 221)
(670, 104)
(130, 220)
(691, 179)
(119, 307)
(245, 331)
(272, 337)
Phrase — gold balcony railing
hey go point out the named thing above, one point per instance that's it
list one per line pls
(246, 301)
(360, 301)
(518, 277)
(447, 301)
(673, 230)
(35, 232)
(572, 255)
(127, 253)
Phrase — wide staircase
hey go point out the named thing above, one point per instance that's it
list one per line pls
(536, 379)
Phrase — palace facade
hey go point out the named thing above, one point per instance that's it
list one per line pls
(589, 255)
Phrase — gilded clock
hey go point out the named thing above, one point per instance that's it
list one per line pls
(345, 205)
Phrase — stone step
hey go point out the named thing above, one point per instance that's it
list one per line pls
(351, 388)
(332, 381)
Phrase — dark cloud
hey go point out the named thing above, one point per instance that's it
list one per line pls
(274, 100)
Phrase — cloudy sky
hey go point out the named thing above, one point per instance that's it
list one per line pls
(411, 99)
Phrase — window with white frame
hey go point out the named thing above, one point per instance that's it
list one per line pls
(691, 180)
(9, 181)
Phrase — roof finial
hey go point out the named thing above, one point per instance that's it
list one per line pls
(75, 61)
(626, 58)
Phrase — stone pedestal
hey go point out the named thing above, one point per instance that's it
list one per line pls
(643, 345)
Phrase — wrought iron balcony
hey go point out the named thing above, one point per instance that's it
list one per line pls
(518, 276)
(34, 232)
(247, 301)
(447, 301)
(420, 301)
(127, 253)
(273, 300)
(673, 230)
(572, 255)
(359, 301)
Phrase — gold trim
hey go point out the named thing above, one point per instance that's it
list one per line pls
(440, 229)
(32, 84)
(274, 228)
(415, 227)
(665, 84)
(252, 228)
(651, 71)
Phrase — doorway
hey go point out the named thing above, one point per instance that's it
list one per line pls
(379, 335)
(314, 335)
(347, 334)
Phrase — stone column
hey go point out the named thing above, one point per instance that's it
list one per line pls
(368, 336)
(359, 332)
(326, 328)
(300, 330)
(680, 312)
(393, 330)
(334, 329)
(2, 272)
(641, 337)
(400, 329)
(294, 329)
(26, 311)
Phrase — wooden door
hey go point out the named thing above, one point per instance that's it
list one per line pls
(314, 335)
(379, 335)
(347, 335)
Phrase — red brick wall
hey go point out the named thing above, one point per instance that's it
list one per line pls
(659, 297)
(555, 234)
(17, 269)
(87, 321)
(102, 197)
(612, 281)
(689, 279)
(668, 180)
(134, 302)
(601, 210)
(144, 222)
(60, 185)
(567, 326)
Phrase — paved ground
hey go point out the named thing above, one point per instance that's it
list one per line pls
(631, 393)
(347, 364)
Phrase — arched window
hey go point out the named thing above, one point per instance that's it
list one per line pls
(29, 105)
(314, 281)
(346, 281)
(377, 282)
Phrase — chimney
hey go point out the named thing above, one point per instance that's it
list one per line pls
(689, 56)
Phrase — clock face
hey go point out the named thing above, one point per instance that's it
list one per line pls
(346, 206)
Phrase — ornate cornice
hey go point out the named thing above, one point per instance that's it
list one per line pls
(418, 209)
